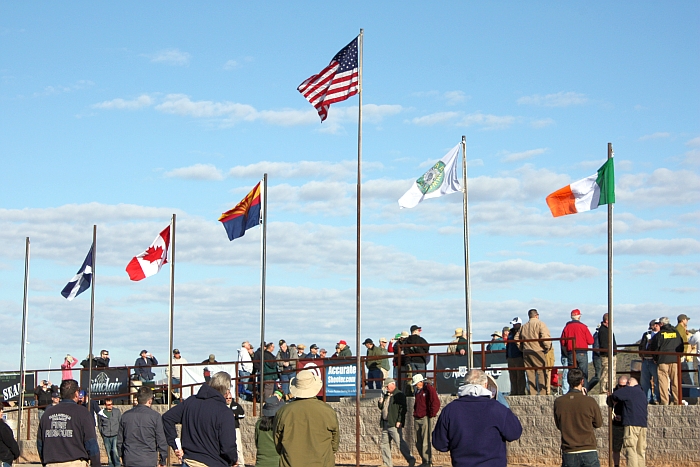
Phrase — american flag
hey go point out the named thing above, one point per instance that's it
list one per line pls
(335, 83)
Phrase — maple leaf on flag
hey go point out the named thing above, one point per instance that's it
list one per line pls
(153, 254)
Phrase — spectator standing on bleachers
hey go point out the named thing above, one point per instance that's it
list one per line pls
(143, 366)
(603, 338)
(596, 360)
(374, 372)
(245, 368)
(514, 356)
(497, 342)
(176, 379)
(285, 365)
(103, 360)
(384, 366)
(650, 372)
(686, 362)
(668, 339)
(42, 395)
(344, 350)
(313, 353)
(416, 345)
(458, 343)
(580, 334)
(67, 367)
(694, 341)
(534, 352)
(577, 416)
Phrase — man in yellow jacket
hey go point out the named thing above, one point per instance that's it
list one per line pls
(534, 352)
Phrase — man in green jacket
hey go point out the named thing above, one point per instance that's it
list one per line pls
(306, 430)
(393, 408)
(374, 372)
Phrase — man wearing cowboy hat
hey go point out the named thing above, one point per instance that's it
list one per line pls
(425, 409)
(306, 430)
(459, 343)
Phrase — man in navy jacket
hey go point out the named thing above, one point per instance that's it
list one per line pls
(208, 425)
(475, 427)
(634, 419)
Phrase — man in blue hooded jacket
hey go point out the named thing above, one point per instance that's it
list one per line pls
(208, 426)
(475, 427)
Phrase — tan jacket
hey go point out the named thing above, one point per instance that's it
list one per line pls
(534, 329)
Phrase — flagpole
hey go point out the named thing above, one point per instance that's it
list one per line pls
(263, 278)
(467, 287)
(358, 374)
(25, 310)
(92, 311)
(612, 371)
(171, 254)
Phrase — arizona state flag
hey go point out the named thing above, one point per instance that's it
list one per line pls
(245, 215)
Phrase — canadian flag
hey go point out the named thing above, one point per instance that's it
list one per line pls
(150, 261)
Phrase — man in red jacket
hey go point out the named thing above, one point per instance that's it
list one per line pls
(425, 409)
(583, 338)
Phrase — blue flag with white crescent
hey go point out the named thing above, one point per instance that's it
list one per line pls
(81, 281)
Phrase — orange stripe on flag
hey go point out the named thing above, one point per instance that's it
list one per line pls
(562, 202)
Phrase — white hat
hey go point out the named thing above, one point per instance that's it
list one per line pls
(305, 385)
(516, 320)
(417, 379)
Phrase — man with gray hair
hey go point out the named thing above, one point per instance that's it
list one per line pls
(393, 407)
(475, 427)
(208, 426)
(245, 369)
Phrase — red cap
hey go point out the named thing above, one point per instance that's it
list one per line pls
(343, 342)
(576, 312)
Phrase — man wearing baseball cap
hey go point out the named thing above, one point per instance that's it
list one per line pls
(577, 333)
(650, 372)
(344, 349)
(514, 356)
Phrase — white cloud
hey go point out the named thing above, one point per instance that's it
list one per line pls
(435, 118)
(142, 101)
(487, 121)
(196, 172)
(519, 156)
(560, 99)
(657, 135)
(663, 187)
(59, 89)
(454, 97)
(648, 247)
(692, 157)
(516, 270)
(693, 143)
(542, 123)
(688, 269)
(171, 57)
(231, 64)
(302, 169)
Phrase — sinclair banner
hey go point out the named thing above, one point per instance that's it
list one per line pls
(107, 382)
(453, 368)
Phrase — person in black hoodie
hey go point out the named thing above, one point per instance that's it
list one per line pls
(208, 426)
(9, 449)
(668, 339)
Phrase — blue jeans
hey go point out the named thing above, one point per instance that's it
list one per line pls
(650, 372)
(377, 376)
(243, 382)
(417, 368)
(582, 459)
(284, 380)
(112, 453)
(581, 364)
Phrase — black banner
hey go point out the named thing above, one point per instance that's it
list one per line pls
(10, 387)
(456, 366)
(107, 382)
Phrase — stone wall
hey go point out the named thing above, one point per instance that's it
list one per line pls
(673, 435)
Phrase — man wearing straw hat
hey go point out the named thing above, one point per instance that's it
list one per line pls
(306, 430)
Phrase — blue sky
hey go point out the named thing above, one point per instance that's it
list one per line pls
(120, 115)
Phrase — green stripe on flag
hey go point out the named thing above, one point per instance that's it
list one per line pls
(606, 182)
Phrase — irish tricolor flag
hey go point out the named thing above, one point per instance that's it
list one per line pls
(586, 194)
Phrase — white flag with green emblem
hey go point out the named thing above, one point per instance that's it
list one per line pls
(440, 180)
